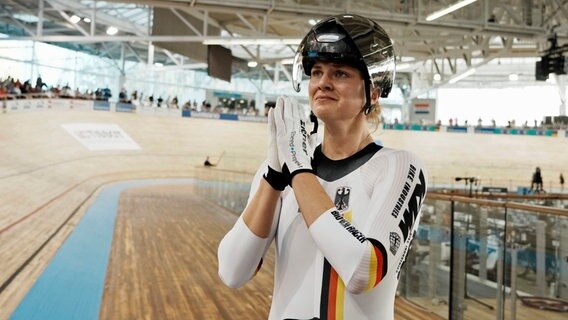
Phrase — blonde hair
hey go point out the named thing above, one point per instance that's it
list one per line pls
(374, 117)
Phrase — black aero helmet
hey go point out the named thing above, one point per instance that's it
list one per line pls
(351, 39)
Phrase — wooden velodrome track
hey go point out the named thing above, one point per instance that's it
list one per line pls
(48, 180)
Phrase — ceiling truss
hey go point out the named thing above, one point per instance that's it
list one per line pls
(472, 36)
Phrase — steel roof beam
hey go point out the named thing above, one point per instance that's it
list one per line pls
(185, 22)
(121, 38)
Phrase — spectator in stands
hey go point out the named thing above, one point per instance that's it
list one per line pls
(561, 183)
(27, 87)
(493, 123)
(106, 94)
(56, 90)
(15, 87)
(479, 123)
(123, 96)
(267, 107)
(536, 183)
(39, 84)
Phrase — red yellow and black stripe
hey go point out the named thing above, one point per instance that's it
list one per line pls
(333, 288)
(378, 265)
(332, 294)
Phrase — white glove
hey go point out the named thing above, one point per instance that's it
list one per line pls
(272, 159)
(274, 175)
(294, 146)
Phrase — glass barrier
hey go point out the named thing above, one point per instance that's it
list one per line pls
(229, 189)
(479, 259)
(470, 259)
(424, 278)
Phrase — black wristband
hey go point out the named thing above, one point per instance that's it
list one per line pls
(289, 176)
(277, 180)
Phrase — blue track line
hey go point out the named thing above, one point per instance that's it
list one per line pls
(71, 287)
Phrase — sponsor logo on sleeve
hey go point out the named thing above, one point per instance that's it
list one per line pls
(394, 240)
(348, 226)
(405, 191)
(413, 208)
(407, 247)
(410, 211)
(292, 144)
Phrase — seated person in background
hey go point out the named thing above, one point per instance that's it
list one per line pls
(536, 182)
(123, 96)
(208, 163)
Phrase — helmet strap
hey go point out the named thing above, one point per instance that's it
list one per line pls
(368, 105)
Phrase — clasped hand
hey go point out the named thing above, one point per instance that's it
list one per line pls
(295, 145)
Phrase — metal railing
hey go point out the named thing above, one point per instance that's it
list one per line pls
(470, 256)
(484, 259)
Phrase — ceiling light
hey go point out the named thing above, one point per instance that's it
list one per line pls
(462, 76)
(87, 20)
(437, 77)
(111, 31)
(402, 66)
(252, 64)
(26, 17)
(74, 19)
(158, 64)
(513, 77)
(451, 8)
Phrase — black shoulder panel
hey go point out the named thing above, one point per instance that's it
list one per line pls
(331, 170)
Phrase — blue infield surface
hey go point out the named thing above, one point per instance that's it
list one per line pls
(71, 287)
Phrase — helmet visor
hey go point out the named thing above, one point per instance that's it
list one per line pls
(375, 47)
(297, 71)
(349, 39)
